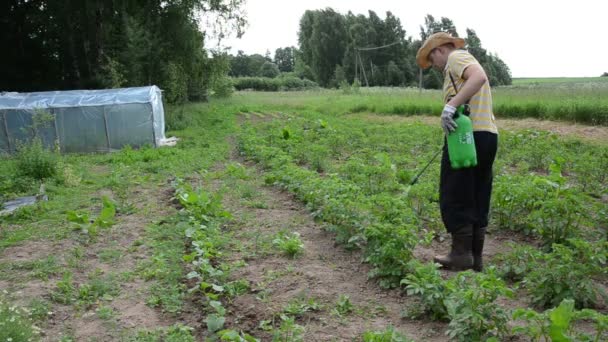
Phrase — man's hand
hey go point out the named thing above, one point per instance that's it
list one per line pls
(447, 122)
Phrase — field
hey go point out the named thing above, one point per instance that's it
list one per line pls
(287, 216)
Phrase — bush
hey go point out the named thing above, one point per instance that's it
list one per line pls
(175, 83)
(269, 69)
(273, 84)
(223, 87)
(34, 161)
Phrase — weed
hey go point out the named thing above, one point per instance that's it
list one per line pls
(289, 243)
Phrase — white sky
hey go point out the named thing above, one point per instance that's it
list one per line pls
(536, 38)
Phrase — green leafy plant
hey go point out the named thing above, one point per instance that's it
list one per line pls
(105, 219)
(35, 161)
(289, 243)
(567, 272)
(557, 324)
(471, 307)
(343, 306)
(425, 282)
(66, 290)
(519, 262)
(201, 205)
(299, 306)
(387, 335)
(235, 336)
(215, 321)
(289, 331)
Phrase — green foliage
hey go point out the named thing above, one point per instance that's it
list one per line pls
(234, 336)
(299, 306)
(89, 227)
(425, 282)
(113, 74)
(269, 70)
(65, 293)
(323, 37)
(175, 83)
(216, 320)
(284, 58)
(343, 306)
(387, 335)
(97, 288)
(39, 309)
(223, 87)
(289, 331)
(471, 307)
(175, 333)
(518, 263)
(123, 43)
(289, 243)
(568, 272)
(35, 161)
(544, 205)
(201, 205)
(467, 300)
(273, 84)
(15, 323)
(558, 324)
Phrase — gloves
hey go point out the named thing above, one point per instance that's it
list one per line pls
(447, 122)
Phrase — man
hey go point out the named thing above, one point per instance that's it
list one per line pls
(464, 194)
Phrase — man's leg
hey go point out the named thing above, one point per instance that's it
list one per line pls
(486, 146)
(458, 212)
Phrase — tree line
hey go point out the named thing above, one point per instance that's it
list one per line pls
(75, 44)
(336, 48)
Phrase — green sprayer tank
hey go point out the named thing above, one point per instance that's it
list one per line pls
(461, 144)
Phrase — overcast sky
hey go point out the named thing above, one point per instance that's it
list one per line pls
(536, 38)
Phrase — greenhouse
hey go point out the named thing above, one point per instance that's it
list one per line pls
(83, 120)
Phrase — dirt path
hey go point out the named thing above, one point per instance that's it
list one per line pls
(110, 260)
(323, 273)
(567, 129)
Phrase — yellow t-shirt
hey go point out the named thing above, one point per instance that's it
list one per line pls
(480, 104)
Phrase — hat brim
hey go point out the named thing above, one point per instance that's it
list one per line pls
(422, 57)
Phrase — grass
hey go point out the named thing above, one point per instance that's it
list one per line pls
(558, 80)
(579, 102)
(323, 140)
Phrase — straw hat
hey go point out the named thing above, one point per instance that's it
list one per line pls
(433, 41)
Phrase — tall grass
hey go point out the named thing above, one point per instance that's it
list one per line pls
(584, 102)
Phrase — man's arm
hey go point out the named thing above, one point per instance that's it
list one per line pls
(475, 77)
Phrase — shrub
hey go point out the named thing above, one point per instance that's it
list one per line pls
(35, 161)
(223, 87)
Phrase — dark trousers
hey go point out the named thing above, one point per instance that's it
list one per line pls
(464, 194)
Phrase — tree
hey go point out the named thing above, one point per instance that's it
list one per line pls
(269, 69)
(394, 75)
(98, 43)
(474, 46)
(255, 64)
(239, 65)
(322, 38)
(284, 58)
(431, 26)
(339, 76)
(303, 70)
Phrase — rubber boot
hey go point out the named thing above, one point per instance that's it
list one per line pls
(461, 256)
(478, 240)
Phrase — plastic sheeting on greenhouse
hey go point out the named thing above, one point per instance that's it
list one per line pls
(83, 120)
